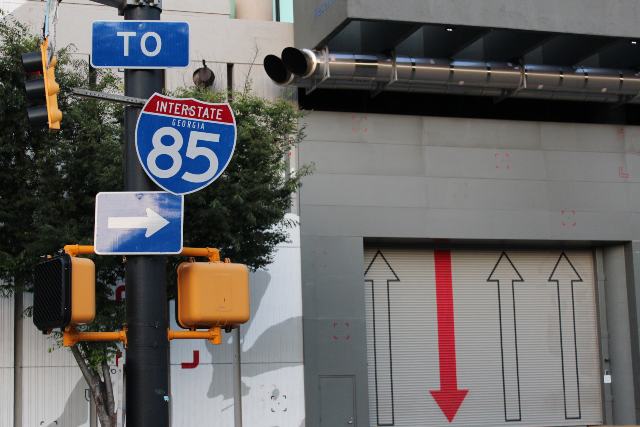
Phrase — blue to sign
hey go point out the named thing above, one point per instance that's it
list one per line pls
(140, 44)
(184, 144)
(134, 223)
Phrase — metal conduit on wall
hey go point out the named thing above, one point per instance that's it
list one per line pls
(312, 69)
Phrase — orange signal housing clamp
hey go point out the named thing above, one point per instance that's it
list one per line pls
(72, 336)
(213, 335)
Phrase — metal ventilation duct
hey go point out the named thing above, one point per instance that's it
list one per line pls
(312, 69)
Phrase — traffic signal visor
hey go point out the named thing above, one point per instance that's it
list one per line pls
(212, 294)
(64, 293)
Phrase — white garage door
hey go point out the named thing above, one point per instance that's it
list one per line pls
(481, 338)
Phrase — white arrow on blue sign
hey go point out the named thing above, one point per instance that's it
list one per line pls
(140, 44)
(137, 223)
(184, 144)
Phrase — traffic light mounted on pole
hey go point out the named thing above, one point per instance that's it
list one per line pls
(64, 293)
(42, 88)
(211, 295)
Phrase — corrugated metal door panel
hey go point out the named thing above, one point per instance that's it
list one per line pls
(511, 312)
(6, 332)
(54, 394)
(202, 396)
(6, 396)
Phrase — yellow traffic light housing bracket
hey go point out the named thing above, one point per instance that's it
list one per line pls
(75, 250)
(212, 254)
(72, 336)
(213, 335)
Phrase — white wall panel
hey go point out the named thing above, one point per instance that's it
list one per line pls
(54, 396)
(202, 396)
(6, 361)
(6, 332)
(273, 395)
(274, 333)
(41, 350)
(6, 397)
(197, 6)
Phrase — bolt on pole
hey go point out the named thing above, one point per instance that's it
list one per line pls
(147, 362)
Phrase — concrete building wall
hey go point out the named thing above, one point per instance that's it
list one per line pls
(425, 177)
(211, 26)
(453, 181)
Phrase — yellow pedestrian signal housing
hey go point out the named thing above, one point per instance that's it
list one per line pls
(42, 88)
(64, 293)
(212, 294)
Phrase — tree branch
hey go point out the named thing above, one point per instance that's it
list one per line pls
(89, 376)
(94, 383)
(106, 374)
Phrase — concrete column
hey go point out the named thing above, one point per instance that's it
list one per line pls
(607, 396)
(257, 10)
(617, 308)
(632, 251)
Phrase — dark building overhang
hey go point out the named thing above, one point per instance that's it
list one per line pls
(469, 43)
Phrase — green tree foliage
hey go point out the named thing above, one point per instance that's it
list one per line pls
(48, 183)
(48, 180)
(242, 212)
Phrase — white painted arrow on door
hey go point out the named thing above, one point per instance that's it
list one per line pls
(505, 275)
(564, 275)
(379, 275)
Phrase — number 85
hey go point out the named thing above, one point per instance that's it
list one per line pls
(173, 152)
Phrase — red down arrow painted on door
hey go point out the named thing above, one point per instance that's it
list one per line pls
(449, 397)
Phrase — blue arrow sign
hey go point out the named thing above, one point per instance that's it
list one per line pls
(140, 44)
(136, 223)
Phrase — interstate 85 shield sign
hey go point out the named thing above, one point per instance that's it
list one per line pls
(184, 144)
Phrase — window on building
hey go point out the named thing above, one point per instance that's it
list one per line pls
(283, 10)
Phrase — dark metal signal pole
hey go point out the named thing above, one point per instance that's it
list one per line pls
(147, 362)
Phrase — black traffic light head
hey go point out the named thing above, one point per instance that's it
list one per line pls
(42, 89)
(63, 293)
